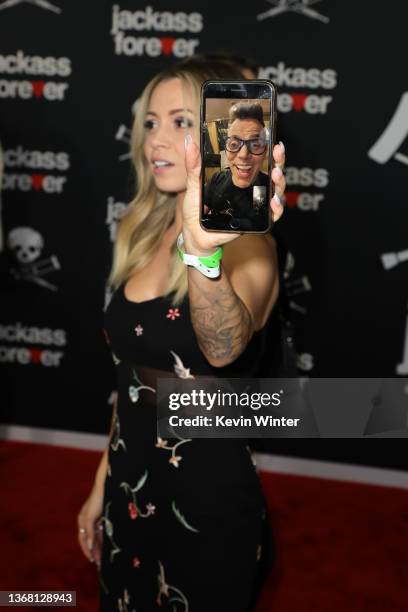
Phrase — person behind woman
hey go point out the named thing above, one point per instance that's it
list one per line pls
(182, 519)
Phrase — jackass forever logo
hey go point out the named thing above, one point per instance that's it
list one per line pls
(305, 187)
(34, 170)
(151, 33)
(22, 344)
(25, 77)
(302, 89)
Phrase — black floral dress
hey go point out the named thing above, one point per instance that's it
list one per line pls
(183, 520)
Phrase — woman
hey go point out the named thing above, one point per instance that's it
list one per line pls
(237, 195)
(182, 519)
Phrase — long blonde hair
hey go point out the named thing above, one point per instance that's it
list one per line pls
(151, 212)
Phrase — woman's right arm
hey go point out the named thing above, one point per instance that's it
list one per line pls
(91, 511)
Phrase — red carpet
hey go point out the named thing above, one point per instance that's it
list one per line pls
(340, 546)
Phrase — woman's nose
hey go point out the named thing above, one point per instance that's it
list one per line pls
(160, 137)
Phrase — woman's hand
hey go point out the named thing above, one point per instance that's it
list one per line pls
(198, 241)
(90, 540)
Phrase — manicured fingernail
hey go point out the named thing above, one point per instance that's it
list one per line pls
(277, 199)
(282, 145)
(278, 171)
(89, 544)
(187, 140)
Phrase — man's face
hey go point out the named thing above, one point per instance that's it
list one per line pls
(245, 165)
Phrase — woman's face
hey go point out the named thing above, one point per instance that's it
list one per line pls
(243, 164)
(169, 118)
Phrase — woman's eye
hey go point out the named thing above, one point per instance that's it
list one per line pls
(149, 124)
(183, 122)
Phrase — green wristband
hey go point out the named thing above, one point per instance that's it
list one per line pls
(208, 265)
(213, 261)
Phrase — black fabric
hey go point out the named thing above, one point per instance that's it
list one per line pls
(209, 485)
(225, 199)
(279, 356)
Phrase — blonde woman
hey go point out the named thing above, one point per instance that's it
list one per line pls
(177, 524)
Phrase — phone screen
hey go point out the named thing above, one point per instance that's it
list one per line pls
(238, 123)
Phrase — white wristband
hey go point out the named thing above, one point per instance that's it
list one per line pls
(209, 266)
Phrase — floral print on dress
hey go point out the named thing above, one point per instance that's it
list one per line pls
(164, 444)
(173, 313)
(116, 440)
(179, 368)
(124, 601)
(134, 391)
(182, 372)
(133, 507)
(176, 599)
(109, 531)
(181, 518)
(116, 360)
(139, 330)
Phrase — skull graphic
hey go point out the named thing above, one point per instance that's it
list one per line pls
(26, 244)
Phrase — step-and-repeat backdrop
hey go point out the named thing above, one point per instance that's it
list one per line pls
(70, 74)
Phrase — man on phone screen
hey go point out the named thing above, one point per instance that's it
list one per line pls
(237, 195)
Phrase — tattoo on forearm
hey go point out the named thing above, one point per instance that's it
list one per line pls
(220, 319)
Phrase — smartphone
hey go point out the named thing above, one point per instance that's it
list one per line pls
(237, 133)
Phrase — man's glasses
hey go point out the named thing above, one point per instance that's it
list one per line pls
(256, 146)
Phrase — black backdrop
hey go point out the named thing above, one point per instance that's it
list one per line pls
(69, 76)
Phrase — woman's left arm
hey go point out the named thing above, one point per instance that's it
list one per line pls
(227, 310)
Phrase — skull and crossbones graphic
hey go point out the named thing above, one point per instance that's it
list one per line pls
(27, 245)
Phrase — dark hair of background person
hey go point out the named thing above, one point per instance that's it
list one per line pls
(224, 65)
(245, 110)
(248, 67)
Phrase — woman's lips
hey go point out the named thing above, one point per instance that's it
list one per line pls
(161, 166)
